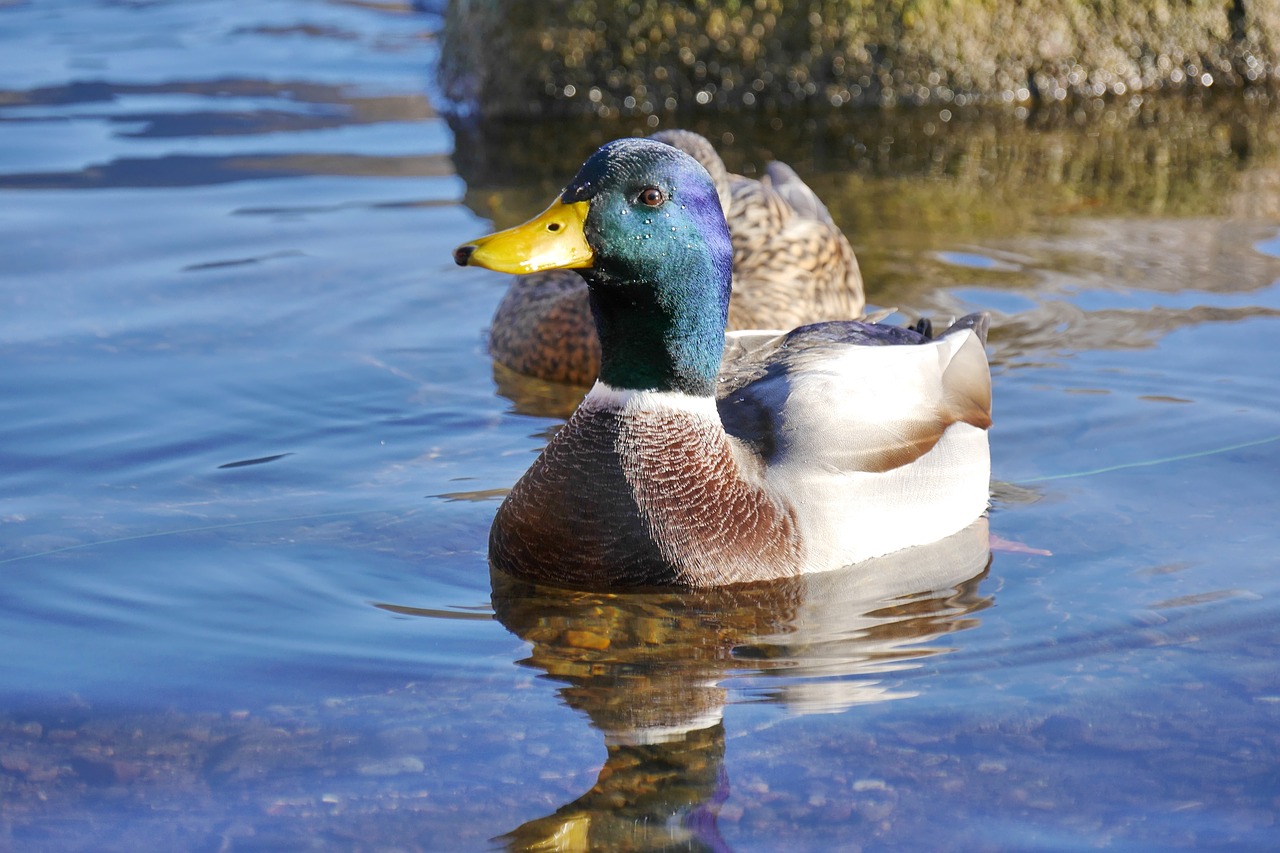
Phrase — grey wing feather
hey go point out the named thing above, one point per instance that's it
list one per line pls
(803, 200)
(980, 322)
(749, 393)
(756, 391)
(747, 355)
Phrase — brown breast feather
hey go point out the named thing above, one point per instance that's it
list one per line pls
(571, 519)
(708, 513)
(647, 499)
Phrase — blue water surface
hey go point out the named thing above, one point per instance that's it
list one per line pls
(251, 444)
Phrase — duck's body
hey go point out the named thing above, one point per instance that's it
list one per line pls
(697, 463)
(866, 452)
(791, 265)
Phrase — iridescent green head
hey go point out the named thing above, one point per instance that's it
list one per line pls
(642, 223)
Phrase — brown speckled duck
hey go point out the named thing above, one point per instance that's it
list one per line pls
(791, 265)
(700, 460)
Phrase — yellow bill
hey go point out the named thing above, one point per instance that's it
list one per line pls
(552, 240)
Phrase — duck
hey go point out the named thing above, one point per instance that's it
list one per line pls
(791, 265)
(704, 458)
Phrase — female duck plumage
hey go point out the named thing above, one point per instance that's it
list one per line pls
(700, 463)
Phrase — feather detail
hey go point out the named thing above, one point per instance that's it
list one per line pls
(799, 197)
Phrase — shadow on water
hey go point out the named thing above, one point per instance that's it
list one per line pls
(650, 672)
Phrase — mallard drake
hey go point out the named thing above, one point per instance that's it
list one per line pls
(791, 265)
(698, 463)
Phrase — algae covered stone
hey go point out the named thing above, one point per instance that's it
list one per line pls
(509, 57)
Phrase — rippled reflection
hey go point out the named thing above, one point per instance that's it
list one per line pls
(654, 671)
(1083, 229)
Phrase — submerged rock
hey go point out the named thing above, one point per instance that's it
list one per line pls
(644, 57)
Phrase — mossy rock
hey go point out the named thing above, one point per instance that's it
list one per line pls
(645, 57)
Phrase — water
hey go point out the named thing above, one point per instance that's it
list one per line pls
(251, 443)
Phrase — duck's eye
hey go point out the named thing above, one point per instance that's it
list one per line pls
(652, 196)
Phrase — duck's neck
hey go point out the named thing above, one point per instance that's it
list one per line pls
(656, 338)
(604, 397)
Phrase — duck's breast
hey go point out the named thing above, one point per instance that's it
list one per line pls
(703, 496)
(572, 518)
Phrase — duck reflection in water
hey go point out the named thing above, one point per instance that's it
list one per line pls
(648, 669)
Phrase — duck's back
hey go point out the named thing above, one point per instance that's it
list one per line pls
(543, 328)
(876, 435)
(792, 264)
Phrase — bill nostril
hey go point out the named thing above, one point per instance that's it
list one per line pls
(554, 226)
(462, 254)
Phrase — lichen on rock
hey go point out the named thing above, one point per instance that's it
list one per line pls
(644, 57)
